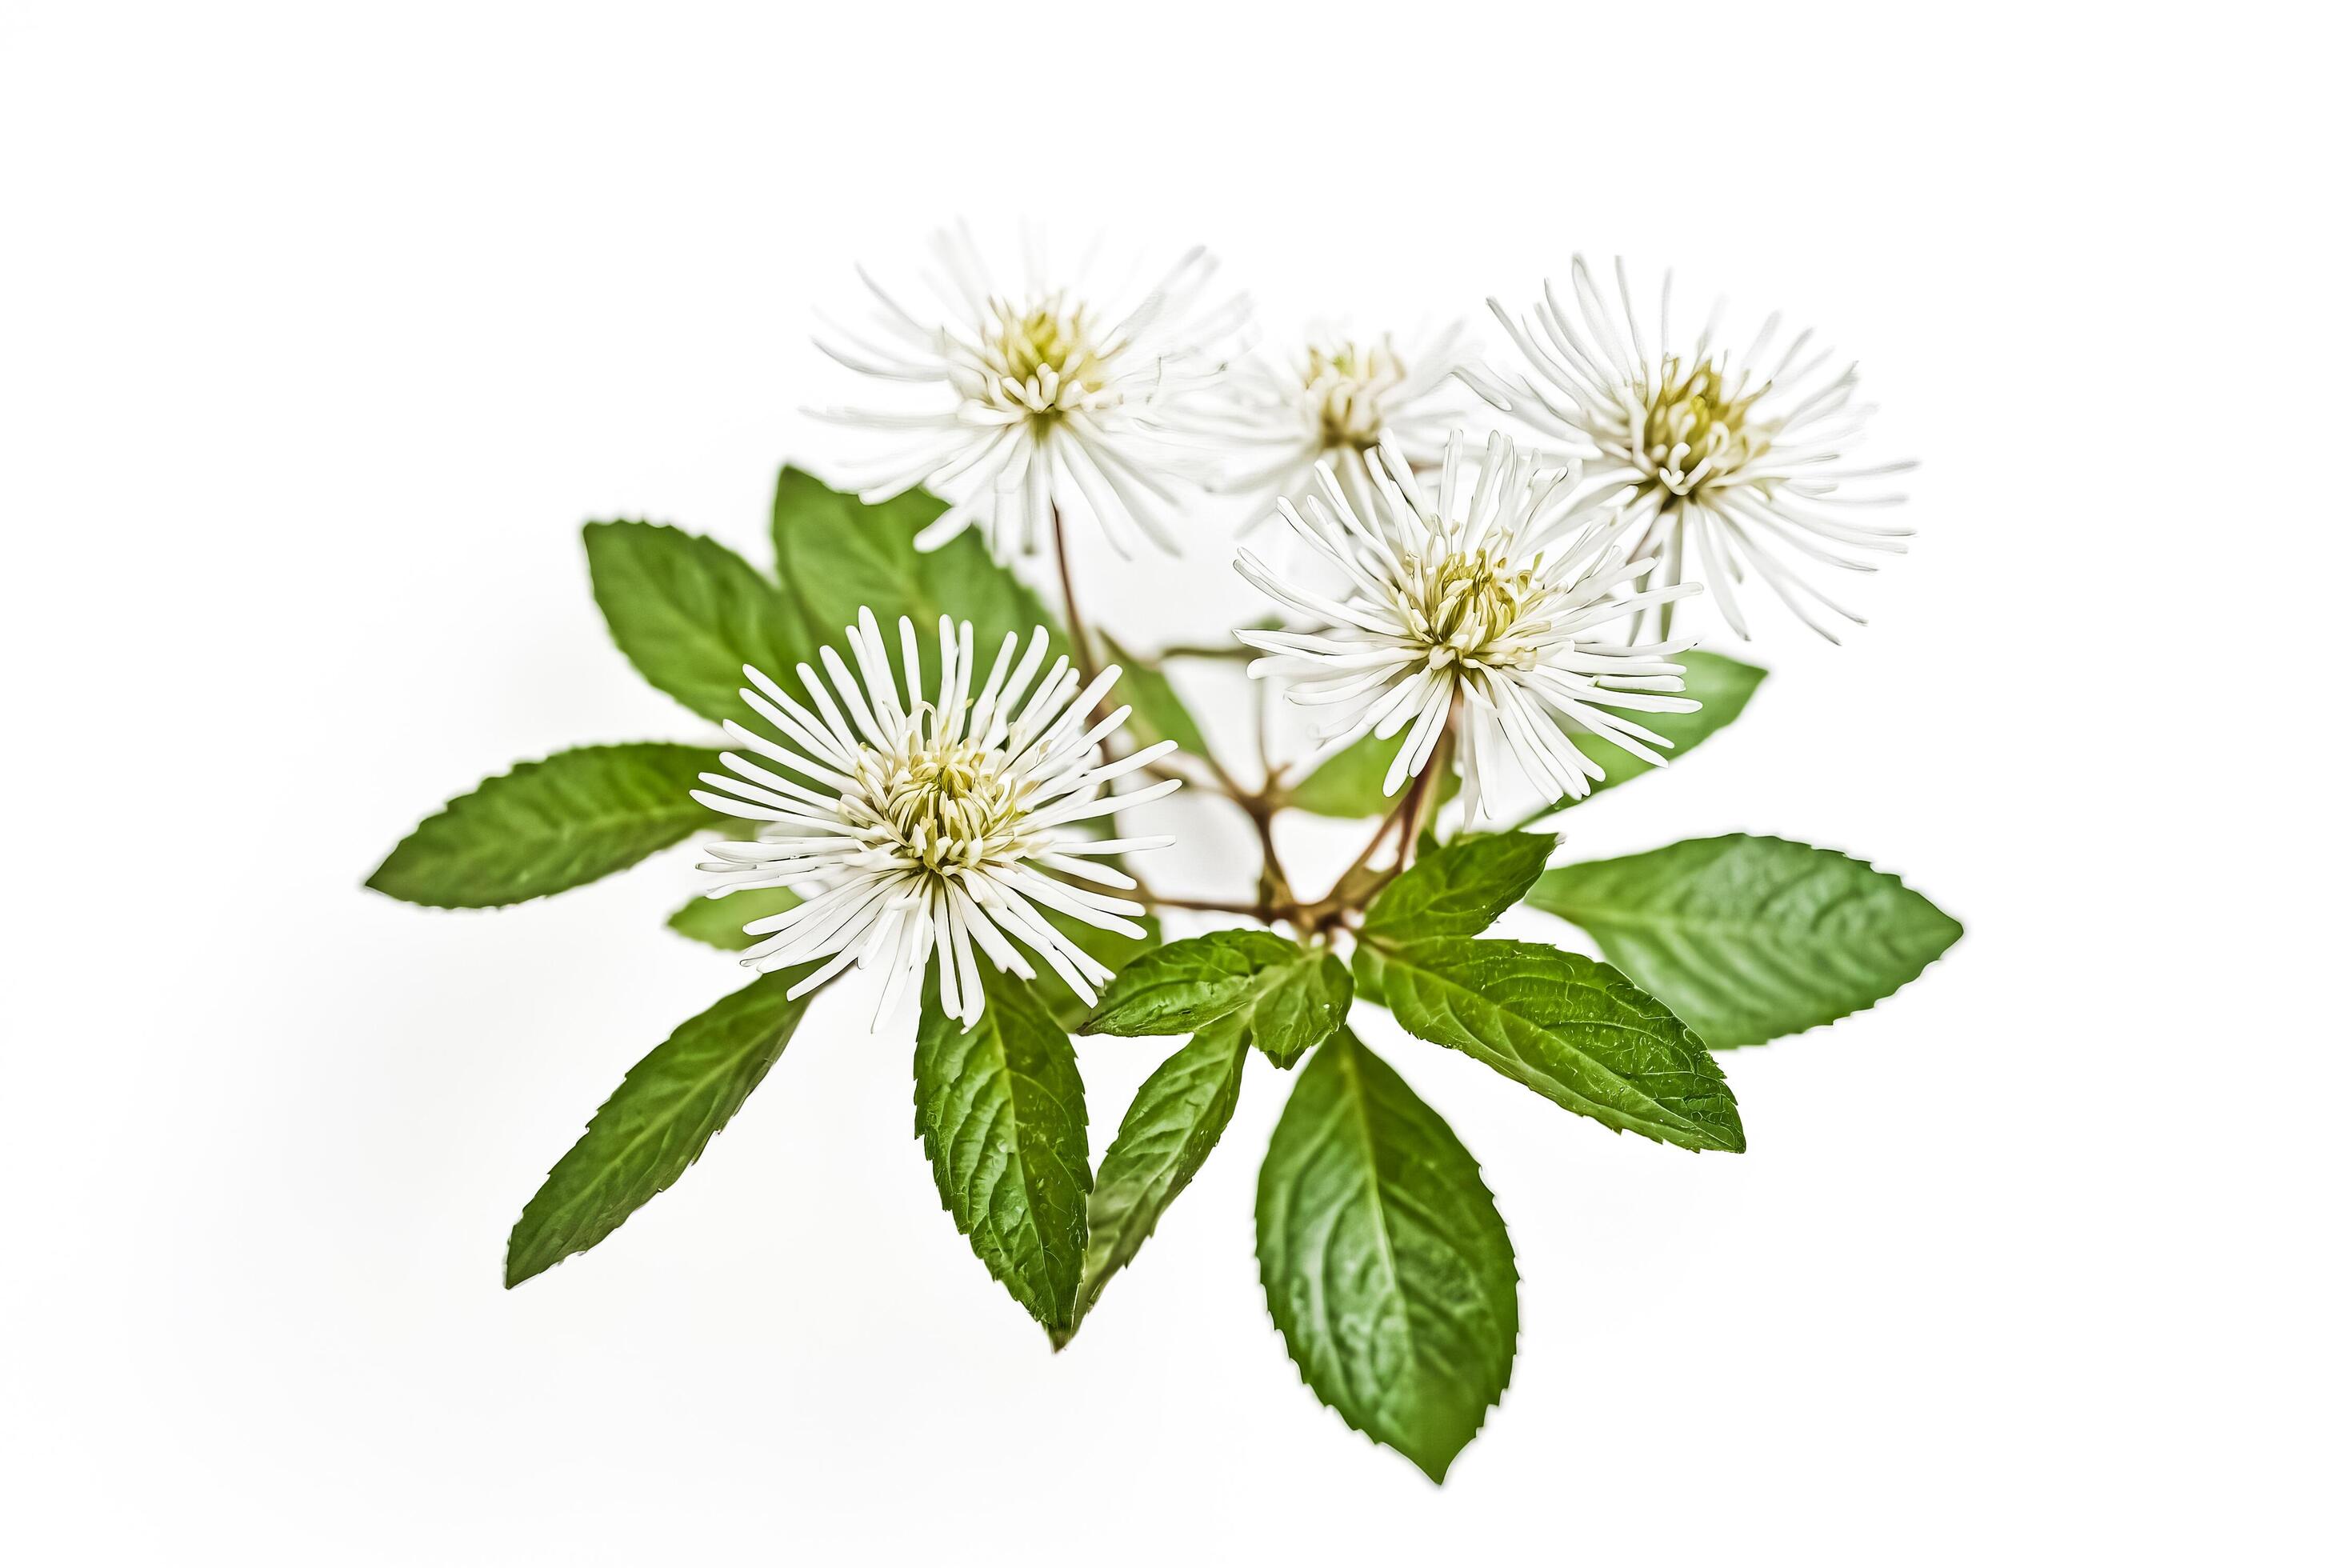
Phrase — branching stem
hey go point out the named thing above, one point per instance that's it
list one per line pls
(1275, 901)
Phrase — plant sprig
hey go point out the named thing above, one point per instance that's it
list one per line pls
(1387, 1266)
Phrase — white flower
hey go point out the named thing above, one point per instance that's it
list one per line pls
(1334, 404)
(934, 825)
(1730, 459)
(1474, 606)
(1048, 398)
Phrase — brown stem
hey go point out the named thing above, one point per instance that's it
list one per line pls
(1359, 882)
(1379, 835)
(1228, 784)
(1267, 912)
(1081, 646)
(1276, 900)
(1273, 882)
(1425, 801)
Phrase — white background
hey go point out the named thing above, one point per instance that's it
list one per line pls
(325, 331)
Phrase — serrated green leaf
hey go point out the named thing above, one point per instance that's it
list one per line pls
(690, 614)
(1722, 687)
(656, 1123)
(720, 921)
(1349, 782)
(1751, 938)
(1284, 999)
(1175, 989)
(1301, 1009)
(1461, 889)
(1002, 1116)
(1113, 949)
(836, 554)
(1576, 1032)
(1175, 1120)
(1386, 1267)
(548, 826)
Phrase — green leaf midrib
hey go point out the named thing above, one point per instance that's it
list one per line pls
(690, 811)
(1569, 905)
(713, 644)
(1361, 1116)
(1012, 1110)
(1390, 954)
(1253, 985)
(1752, 937)
(657, 1124)
(667, 1125)
(550, 824)
(1033, 1190)
(987, 1120)
(1271, 979)
(1665, 1119)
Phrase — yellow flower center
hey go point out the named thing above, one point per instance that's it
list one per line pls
(947, 802)
(1695, 432)
(1048, 351)
(1348, 381)
(1468, 603)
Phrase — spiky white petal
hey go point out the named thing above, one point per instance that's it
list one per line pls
(921, 827)
(1726, 459)
(1335, 402)
(1478, 606)
(1047, 398)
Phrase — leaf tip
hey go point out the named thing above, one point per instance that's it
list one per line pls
(389, 881)
(1434, 1452)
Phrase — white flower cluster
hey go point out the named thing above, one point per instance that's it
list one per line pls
(1521, 601)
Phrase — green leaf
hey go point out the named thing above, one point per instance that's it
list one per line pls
(1387, 1269)
(1112, 950)
(656, 1123)
(1302, 1008)
(836, 556)
(1176, 1119)
(1175, 989)
(549, 826)
(1462, 889)
(720, 921)
(690, 614)
(1002, 1117)
(1284, 999)
(1576, 1032)
(1348, 784)
(1722, 686)
(1751, 938)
